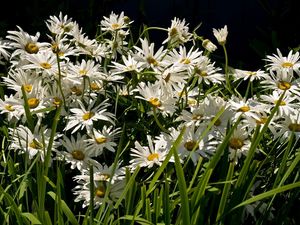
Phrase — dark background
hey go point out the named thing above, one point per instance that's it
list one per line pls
(256, 27)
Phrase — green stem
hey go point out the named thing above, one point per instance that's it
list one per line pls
(228, 86)
(157, 121)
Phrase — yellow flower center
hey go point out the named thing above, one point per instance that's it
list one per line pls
(76, 90)
(201, 73)
(244, 108)
(100, 140)
(78, 155)
(46, 65)
(83, 72)
(197, 116)
(33, 102)
(192, 102)
(190, 145)
(9, 108)
(173, 32)
(152, 156)
(295, 127)
(100, 191)
(57, 101)
(94, 86)
(155, 102)
(282, 103)
(287, 65)
(185, 61)
(236, 143)
(27, 87)
(250, 73)
(31, 48)
(261, 121)
(88, 115)
(55, 48)
(115, 26)
(283, 85)
(35, 144)
(152, 61)
(105, 176)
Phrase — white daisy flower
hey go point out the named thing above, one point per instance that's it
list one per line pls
(101, 177)
(206, 72)
(284, 64)
(25, 141)
(248, 108)
(147, 55)
(239, 144)
(13, 107)
(44, 61)
(75, 152)
(102, 139)
(130, 65)
(25, 43)
(251, 75)
(4, 47)
(287, 125)
(115, 22)
(147, 156)
(84, 117)
(178, 33)
(60, 25)
(208, 45)
(17, 78)
(288, 105)
(221, 34)
(157, 97)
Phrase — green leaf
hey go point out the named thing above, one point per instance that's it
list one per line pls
(31, 218)
(268, 194)
(67, 211)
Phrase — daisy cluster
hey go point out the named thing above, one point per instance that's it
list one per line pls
(171, 86)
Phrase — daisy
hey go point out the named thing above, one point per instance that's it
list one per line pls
(221, 35)
(239, 144)
(284, 128)
(178, 33)
(206, 72)
(191, 146)
(86, 117)
(157, 97)
(17, 78)
(12, 106)
(173, 78)
(102, 139)
(147, 156)
(281, 82)
(288, 105)
(35, 143)
(4, 47)
(84, 69)
(208, 45)
(25, 43)
(45, 61)
(284, 64)
(183, 58)
(115, 22)
(60, 25)
(248, 108)
(75, 152)
(130, 65)
(82, 190)
(251, 75)
(60, 45)
(147, 55)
